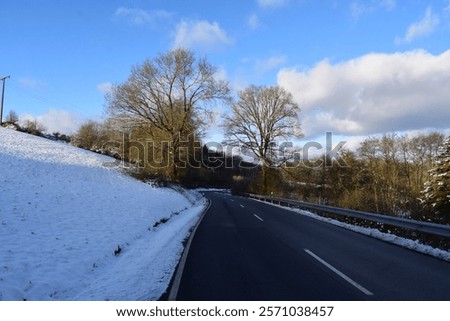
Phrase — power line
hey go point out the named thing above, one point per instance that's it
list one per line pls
(45, 98)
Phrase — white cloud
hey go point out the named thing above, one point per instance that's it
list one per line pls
(422, 28)
(253, 21)
(221, 74)
(105, 88)
(360, 8)
(374, 93)
(447, 8)
(388, 4)
(265, 65)
(56, 120)
(201, 35)
(272, 3)
(140, 17)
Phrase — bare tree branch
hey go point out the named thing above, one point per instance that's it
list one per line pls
(172, 93)
(260, 117)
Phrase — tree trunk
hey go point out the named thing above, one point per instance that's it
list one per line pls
(265, 189)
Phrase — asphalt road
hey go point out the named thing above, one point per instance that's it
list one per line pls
(248, 250)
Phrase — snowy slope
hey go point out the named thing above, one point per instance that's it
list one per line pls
(62, 216)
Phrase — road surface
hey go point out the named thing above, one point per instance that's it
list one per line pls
(248, 250)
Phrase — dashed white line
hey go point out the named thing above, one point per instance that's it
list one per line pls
(342, 275)
(242, 205)
(258, 217)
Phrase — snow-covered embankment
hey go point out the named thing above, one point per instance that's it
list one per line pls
(63, 215)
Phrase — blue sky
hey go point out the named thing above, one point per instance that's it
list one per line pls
(356, 68)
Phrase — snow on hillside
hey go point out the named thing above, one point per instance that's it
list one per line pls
(63, 215)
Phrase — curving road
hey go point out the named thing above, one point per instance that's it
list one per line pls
(247, 250)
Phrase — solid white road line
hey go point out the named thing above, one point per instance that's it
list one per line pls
(258, 217)
(342, 275)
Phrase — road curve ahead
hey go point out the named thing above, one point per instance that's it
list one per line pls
(248, 250)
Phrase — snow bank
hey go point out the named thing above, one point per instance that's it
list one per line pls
(63, 215)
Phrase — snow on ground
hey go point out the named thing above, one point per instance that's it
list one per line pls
(414, 245)
(63, 214)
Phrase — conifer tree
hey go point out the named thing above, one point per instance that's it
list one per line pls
(436, 191)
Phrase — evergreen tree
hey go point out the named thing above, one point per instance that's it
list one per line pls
(437, 190)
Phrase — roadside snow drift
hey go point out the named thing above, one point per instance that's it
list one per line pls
(72, 229)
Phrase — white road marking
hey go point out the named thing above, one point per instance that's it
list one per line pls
(258, 217)
(242, 206)
(342, 275)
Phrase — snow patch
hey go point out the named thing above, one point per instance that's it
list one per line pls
(63, 214)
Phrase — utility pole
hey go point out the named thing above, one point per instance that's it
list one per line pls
(3, 98)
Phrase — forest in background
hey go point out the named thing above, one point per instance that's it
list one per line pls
(391, 174)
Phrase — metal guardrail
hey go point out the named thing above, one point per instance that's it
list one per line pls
(425, 227)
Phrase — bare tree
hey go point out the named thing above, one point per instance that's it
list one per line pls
(169, 94)
(91, 135)
(261, 116)
(33, 127)
(12, 118)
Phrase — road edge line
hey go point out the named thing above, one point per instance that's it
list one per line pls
(180, 268)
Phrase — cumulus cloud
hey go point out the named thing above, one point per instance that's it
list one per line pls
(201, 35)
(422, 28)
(56, 120)
(140, 17)
(374, 93)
